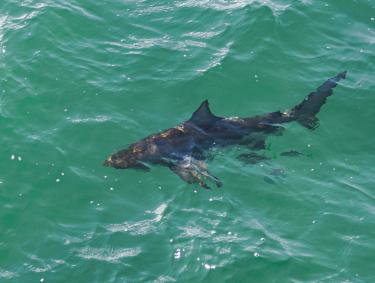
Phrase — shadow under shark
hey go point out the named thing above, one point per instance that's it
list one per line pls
(184, 147)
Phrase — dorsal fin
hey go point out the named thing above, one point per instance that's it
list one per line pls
(203, 115)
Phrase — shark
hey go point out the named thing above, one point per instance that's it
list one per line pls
(184, 148)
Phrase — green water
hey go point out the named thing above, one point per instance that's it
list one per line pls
(81, 79)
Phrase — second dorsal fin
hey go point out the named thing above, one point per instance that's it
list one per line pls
(203, 115)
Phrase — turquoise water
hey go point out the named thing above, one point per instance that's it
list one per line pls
(82, 79)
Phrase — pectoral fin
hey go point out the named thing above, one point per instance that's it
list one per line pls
(141, 166)
(194, 171)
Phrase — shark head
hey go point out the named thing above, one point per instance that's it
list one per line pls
(127, 158)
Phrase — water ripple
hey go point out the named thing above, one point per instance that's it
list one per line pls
(217, 58)
(97, 119)
(7, 274)
(141, 227)
(164, 279)
(232, 5)
(202, 34)
(2, 29)
(109, 255)
(153, 9)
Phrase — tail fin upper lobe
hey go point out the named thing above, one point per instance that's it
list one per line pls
(304, 113)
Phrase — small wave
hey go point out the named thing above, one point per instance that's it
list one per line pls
(217, 58)
(230, 238)
(134, 42)
(221, 5)
(78, 9)
(194, 231)
(40, 269)
(20, 21)
(147, 10)
(40, 265)
(195, 43)
(139, 43)
(216, 5)
(96, 119)
(202, 34)
(356, 187)
(109, 255)
(7, 274)
(142, 227)
(165, 278)
(2, 27)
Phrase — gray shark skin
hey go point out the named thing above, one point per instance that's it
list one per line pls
(184, 147)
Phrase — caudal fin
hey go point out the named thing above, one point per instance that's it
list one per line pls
(304, 113)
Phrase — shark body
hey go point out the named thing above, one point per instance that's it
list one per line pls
(184, 147)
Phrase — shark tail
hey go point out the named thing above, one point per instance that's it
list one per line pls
(304, 113)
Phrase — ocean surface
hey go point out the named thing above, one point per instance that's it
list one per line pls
(82, 79)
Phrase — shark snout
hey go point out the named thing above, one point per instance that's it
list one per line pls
(113, 161)
(108, 162)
